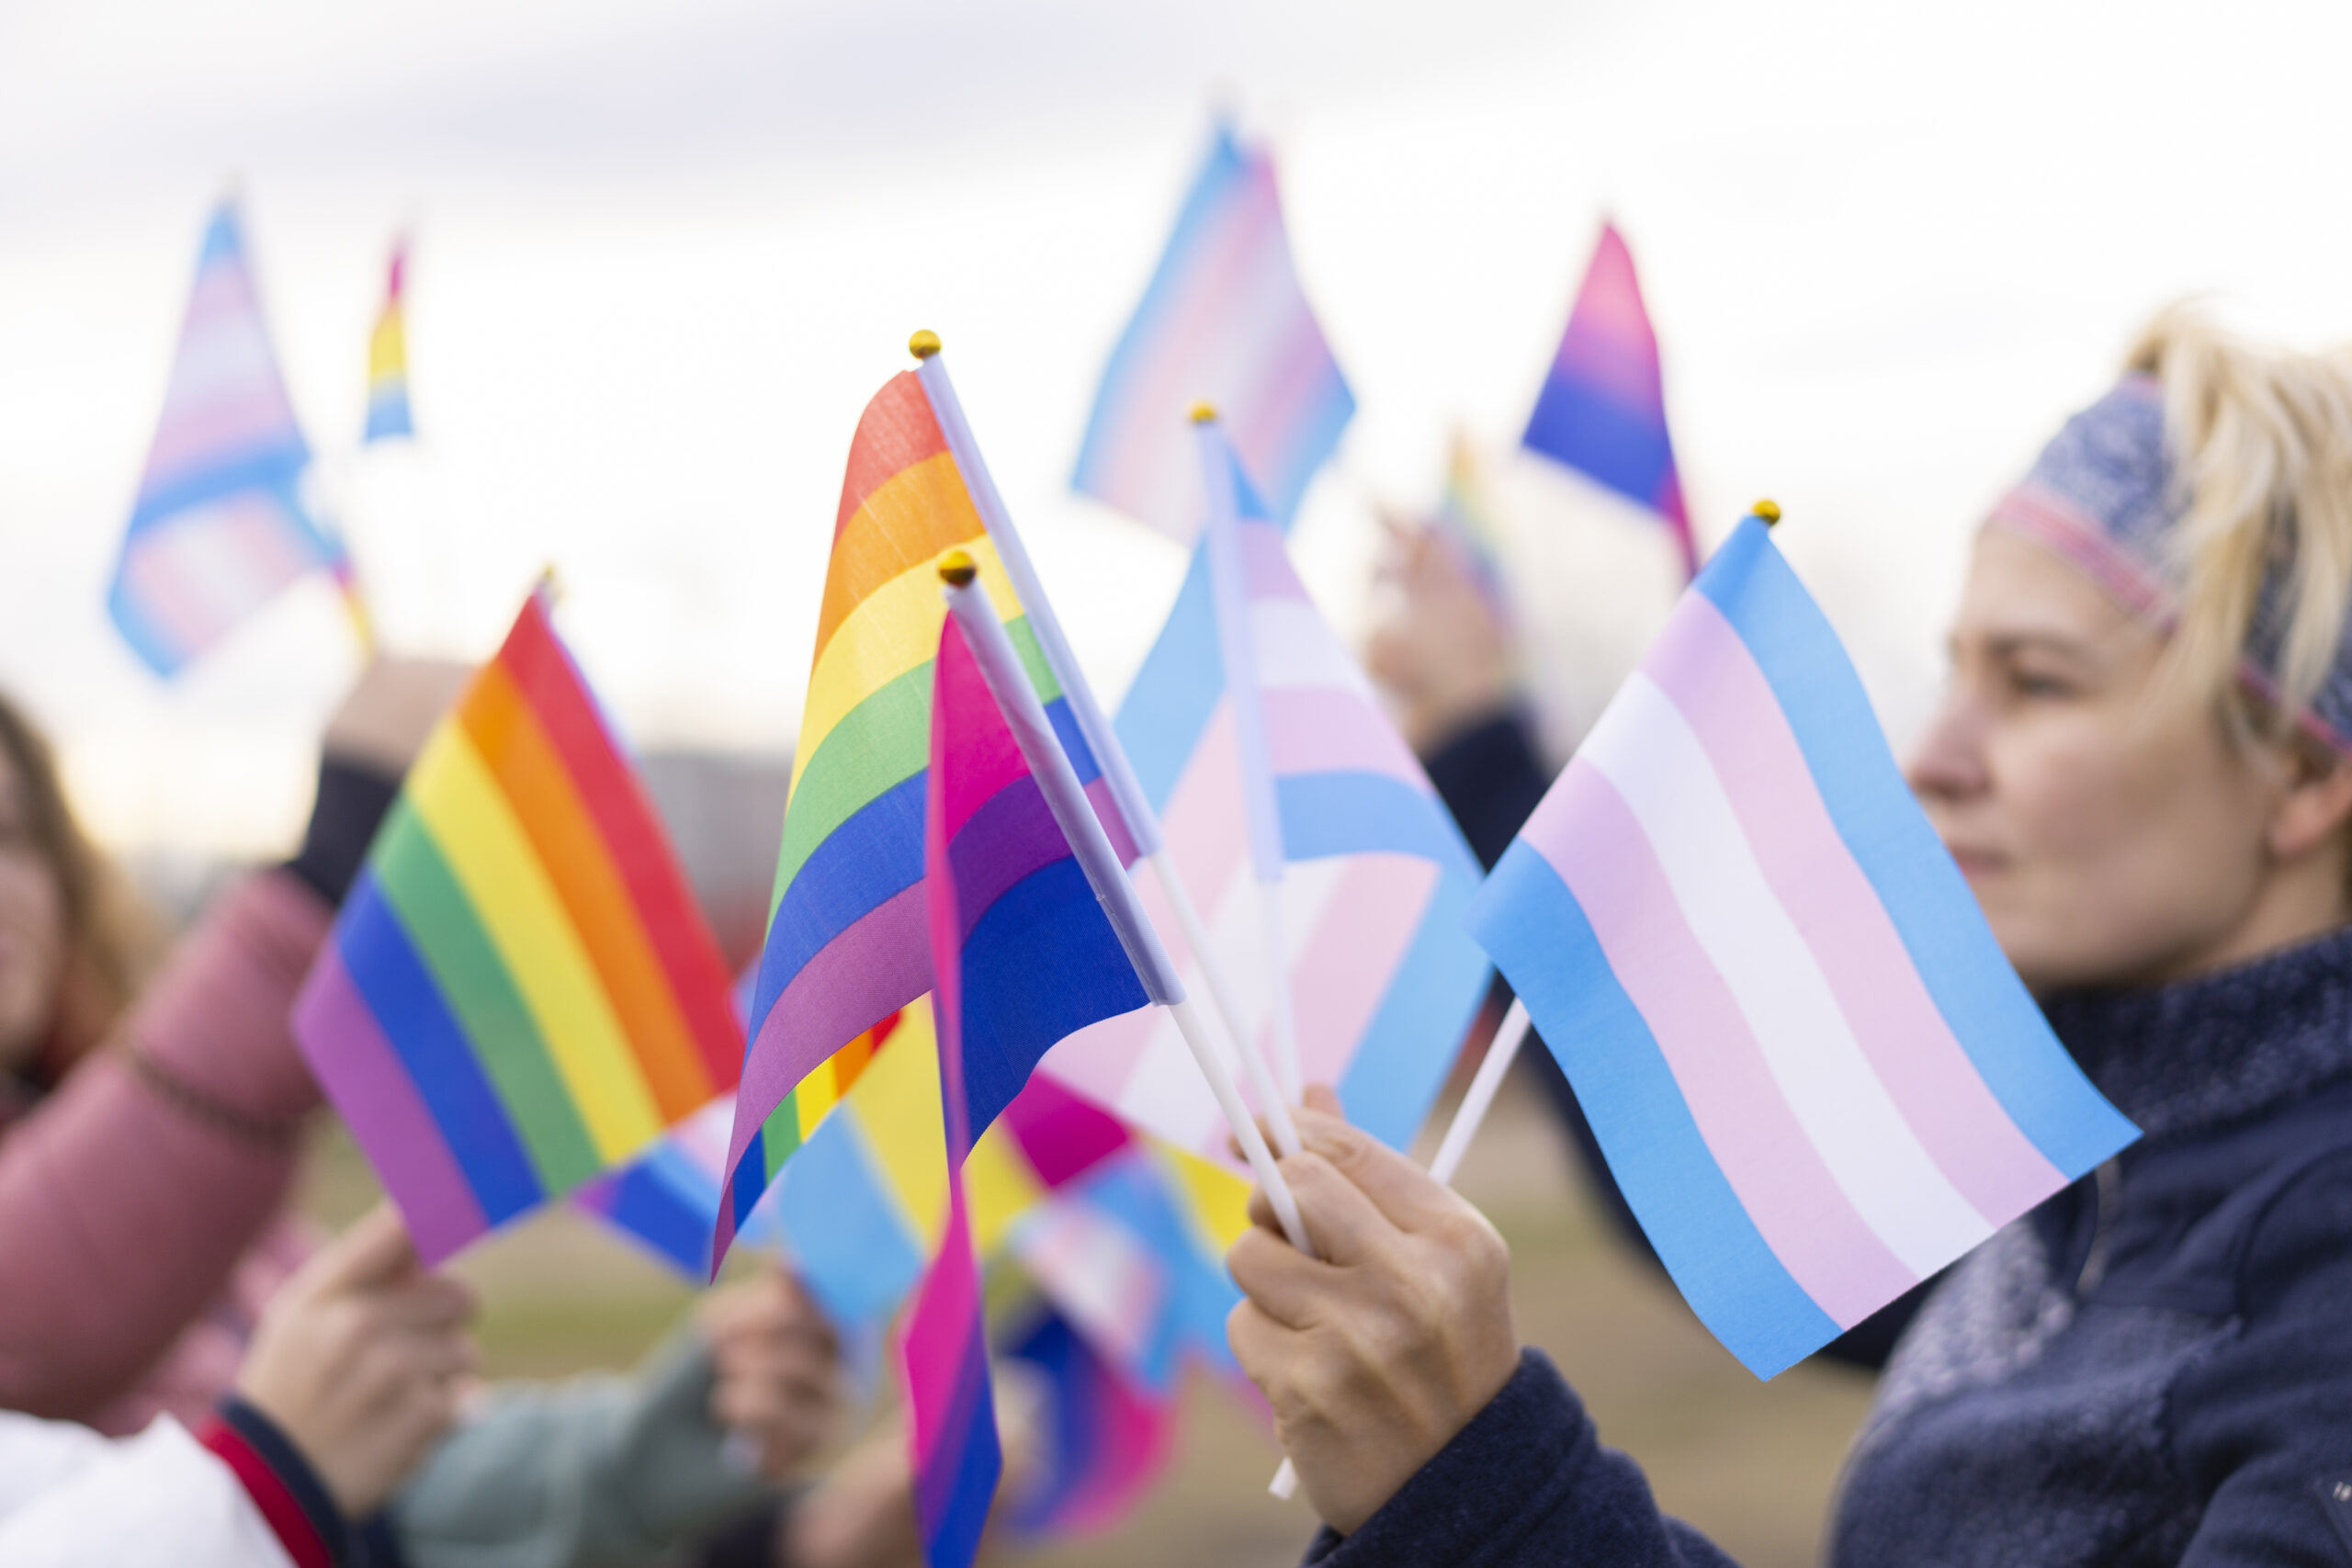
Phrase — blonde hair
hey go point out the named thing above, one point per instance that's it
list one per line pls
(2260, 443)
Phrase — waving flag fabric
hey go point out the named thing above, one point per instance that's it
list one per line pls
(1384, 978)
(1602, 408)
(219, 526)
(1103, 1441)
(388, 412)
(1023, 954)
(845, 944)
(520, 992)
(1223, 319)
(1813, 1074)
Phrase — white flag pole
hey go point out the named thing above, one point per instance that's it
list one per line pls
(1261, 809)
(1001, 667)
(1126, 790)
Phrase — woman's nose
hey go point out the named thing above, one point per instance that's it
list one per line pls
(1947, 763)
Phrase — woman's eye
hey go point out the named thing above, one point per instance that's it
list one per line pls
(2041, 685)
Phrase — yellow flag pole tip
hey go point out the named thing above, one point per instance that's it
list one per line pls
(550, 586)
(957, 569)
(1203, 414)
(924, 345)
(1769, 511)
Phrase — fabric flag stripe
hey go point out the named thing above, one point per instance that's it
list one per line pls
(1602, 408)
(219, 526)
(1223, 319)
(1756, 1039)
(525, 947)
(1915, 880)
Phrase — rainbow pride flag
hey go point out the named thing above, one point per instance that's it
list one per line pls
(520, 992)
(388, 412)
(1602, 408)
(1385, 980)
(1813, 1074)
(845, 944)
(1023, 952)
(1224, 320)
(219, 526)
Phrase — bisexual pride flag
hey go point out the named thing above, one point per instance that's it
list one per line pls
(1383, 977)
(520, 992)
(1224, 320)
(1814, 1075)
(219, 526)
(1023, 952)
(1602, 408)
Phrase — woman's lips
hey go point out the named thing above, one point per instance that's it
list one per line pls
(1976, 862)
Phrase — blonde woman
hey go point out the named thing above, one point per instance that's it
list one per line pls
(2144, 765)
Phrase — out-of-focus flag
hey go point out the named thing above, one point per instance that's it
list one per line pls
(845, 942)
(1384, 977)
(1813, 1074)
(520, 992)
(388, 410)
(1602, 408)
(1023, 953)
(219, 526)
(1224, 320)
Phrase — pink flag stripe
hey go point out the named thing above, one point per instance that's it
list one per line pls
(1387, 895)
(1327, 731)
(1593, 840)
(365, 1071)
(200, 571)
(1703, 665)
(1265, 563)
(193, 438)
(944, 1311)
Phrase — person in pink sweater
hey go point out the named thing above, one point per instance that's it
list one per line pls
(151, 1120)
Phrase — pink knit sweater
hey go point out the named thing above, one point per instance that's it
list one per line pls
(138, 1236)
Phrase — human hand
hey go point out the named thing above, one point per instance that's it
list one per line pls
(360, 1359)
(862, 1514)
(1441, 647)
(779, 1368)
(384, 718)
(1374, 1358)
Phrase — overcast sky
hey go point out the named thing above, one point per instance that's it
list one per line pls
(665, 251)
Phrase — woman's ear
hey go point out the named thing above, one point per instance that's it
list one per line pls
(2317, 802)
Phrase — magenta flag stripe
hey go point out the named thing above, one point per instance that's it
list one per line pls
(201, 436)
(1705, 669)
(937, 1332)
(1601, 853)
(885, 953)
(1389, 895)
(1328, 731)
(989, 761)
(364, 1077)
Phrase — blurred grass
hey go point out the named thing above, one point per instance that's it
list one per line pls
(1750, 1464)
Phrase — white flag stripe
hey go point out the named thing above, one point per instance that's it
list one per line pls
(1297, 651)
(1646, 748)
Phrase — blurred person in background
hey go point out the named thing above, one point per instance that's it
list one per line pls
(355, 1371)
(2143, 767)
(151, 1120)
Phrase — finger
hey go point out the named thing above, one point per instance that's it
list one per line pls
(1323, 1098)
(428, 1300)
(808, 1317)
(1407, 1197)
(1288, 1286)
(375, 1250)
(1266, 1348)
(1343, 1223)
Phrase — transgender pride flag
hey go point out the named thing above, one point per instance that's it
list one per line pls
(1815, 1077)
(1384, 978)
(1225, 321)
(219, 526)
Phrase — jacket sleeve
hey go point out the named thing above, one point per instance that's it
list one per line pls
(1526, 1484)
(596, 1472)
(129, 1194)
(2263, 1427)
(154, 1498)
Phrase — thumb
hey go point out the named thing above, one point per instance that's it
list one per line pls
(374, 1251)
